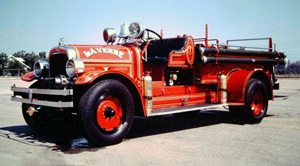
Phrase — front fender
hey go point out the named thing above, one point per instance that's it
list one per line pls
(91, 76)
(28, 77)
(134, 87)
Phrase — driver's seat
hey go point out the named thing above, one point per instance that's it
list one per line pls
(159, 52)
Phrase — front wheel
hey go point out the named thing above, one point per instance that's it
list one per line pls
(107, 112)
(47, 119)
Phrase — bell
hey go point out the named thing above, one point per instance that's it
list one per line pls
(124, 32)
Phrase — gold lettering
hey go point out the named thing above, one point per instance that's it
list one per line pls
(89, 53)
(121, 54)
(110, 51)
(105, 50)
(99, 50)
(92, 51)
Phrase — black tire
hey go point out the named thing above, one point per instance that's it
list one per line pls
(47, 119)
(256, 102)
(107, 112)
(35, 120)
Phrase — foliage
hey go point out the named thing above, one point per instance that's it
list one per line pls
(42, 55)
(30, 58)
(14, 66)
(293, 68)
(3, 62)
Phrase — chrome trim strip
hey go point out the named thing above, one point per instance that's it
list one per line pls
(173, 110)
(43, 103)
(71, 51)
(43, 91)
(30, 100)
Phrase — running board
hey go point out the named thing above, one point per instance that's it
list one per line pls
(174, 110)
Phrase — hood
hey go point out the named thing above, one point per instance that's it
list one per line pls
(95, 53)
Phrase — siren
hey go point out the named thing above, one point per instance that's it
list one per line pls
(109, 35)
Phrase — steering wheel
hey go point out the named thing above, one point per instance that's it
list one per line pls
(148, 42)
(149, 38)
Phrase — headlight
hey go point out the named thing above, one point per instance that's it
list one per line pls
(74, 67)
(41, 68)
(136, 30)
(109, 35)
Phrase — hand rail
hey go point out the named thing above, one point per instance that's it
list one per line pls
(270, 42)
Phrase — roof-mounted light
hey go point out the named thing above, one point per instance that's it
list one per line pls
(109, 35)
(136, 30)
(133, 31)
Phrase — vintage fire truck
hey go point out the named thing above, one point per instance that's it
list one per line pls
(143, 74)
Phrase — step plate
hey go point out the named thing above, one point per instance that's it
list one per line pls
(174, 110)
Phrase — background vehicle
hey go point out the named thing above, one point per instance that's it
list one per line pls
(105, 86)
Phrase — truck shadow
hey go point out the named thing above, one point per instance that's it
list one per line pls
(172, 123)
(281, 96)
(63, 140)
(71, 141)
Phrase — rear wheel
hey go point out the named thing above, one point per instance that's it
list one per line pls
(107, 112)
(256, 102)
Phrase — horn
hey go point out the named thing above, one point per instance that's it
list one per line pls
(124, 32)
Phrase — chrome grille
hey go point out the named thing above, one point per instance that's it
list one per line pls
(58, 64)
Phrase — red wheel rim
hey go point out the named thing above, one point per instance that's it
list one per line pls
(109, 113)
(257, 102)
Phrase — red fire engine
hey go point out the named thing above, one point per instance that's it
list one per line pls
(105, 86)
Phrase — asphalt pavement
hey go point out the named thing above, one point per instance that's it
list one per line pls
(207, 138)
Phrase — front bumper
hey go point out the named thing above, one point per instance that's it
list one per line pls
(60, 98)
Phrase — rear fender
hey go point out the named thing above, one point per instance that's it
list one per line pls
(237, 85)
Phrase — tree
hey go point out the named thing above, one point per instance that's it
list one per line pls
(42, 55)
(3, 62)
(292, 68)
(30, 58)
(279, 69)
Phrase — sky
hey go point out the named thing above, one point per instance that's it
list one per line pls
(38, 25)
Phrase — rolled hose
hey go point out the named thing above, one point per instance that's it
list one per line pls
(210, 59)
